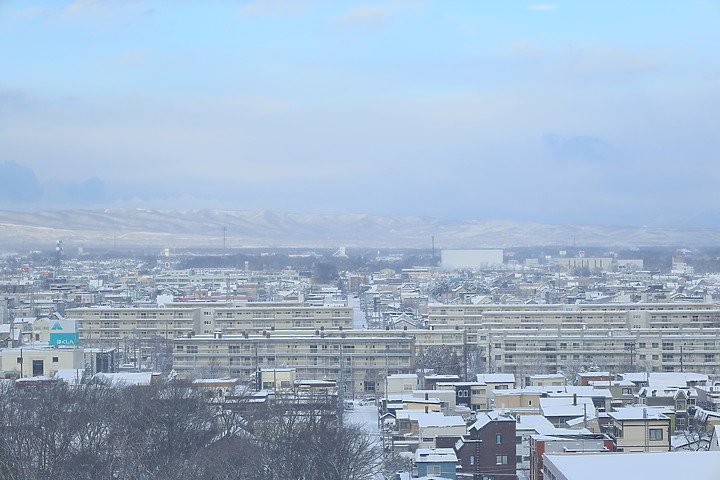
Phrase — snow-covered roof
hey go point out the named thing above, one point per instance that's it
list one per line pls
(441, 421)
(547, 376)
(638, 413)
(496, 377)
(71, 376)
(580, 420)
(579, 390)
(435, 455)
(566, 406)
(487, 417)
(675, 379)
(125, 378)
(631, 466)
(527, 422)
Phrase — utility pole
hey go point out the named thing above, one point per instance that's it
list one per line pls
(682, 362)
(631, 348)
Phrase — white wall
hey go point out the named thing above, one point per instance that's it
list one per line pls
(476, 259)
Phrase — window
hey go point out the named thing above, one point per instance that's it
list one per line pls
(518, 459)
(434, 470)
(518, 439)
(627, 391)
(498, 438)
(501, 459)
(55, 359)
(192, 349)
(656, 434)
(19, 359)
(472, 459)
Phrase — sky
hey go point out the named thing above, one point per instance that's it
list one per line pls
(576, 111)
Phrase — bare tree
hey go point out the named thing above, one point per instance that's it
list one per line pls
(173, 432)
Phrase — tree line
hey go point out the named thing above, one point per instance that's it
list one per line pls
(61, 432)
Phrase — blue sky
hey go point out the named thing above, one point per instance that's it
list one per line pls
(595, 112)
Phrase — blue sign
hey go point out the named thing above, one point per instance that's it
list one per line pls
(64, 332)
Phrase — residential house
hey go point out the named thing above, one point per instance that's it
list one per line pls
(674, 398)
(401, 384)
(520, 400)
(438, 462)
(640, 429)
(526, 426)
(489, 448)
(473, 395)
(561, 409)
(557, 440)
(547, 380)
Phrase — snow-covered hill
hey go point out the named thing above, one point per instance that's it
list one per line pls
(273, 229)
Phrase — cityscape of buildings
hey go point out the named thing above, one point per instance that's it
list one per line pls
(478, 364)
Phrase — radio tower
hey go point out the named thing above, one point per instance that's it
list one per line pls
(58, 250)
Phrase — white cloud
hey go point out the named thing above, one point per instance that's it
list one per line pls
(374, 16)
(80, 6)
(606, 61)
(544, 7)
(34, 12)
(256, 8)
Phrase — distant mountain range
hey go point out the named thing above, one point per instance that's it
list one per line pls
(204, 228)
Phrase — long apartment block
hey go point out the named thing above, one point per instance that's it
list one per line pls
(578, 316)
(529, 339)
(527, 352)
(109, 326)
(360, 361)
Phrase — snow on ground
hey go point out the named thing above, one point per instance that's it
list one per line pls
(365, 416)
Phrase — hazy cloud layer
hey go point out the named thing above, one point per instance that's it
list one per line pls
(454, 109)
(18, 184)
(579, 147)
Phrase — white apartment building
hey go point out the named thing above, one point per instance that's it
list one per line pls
(361, 363)
(548, 339)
